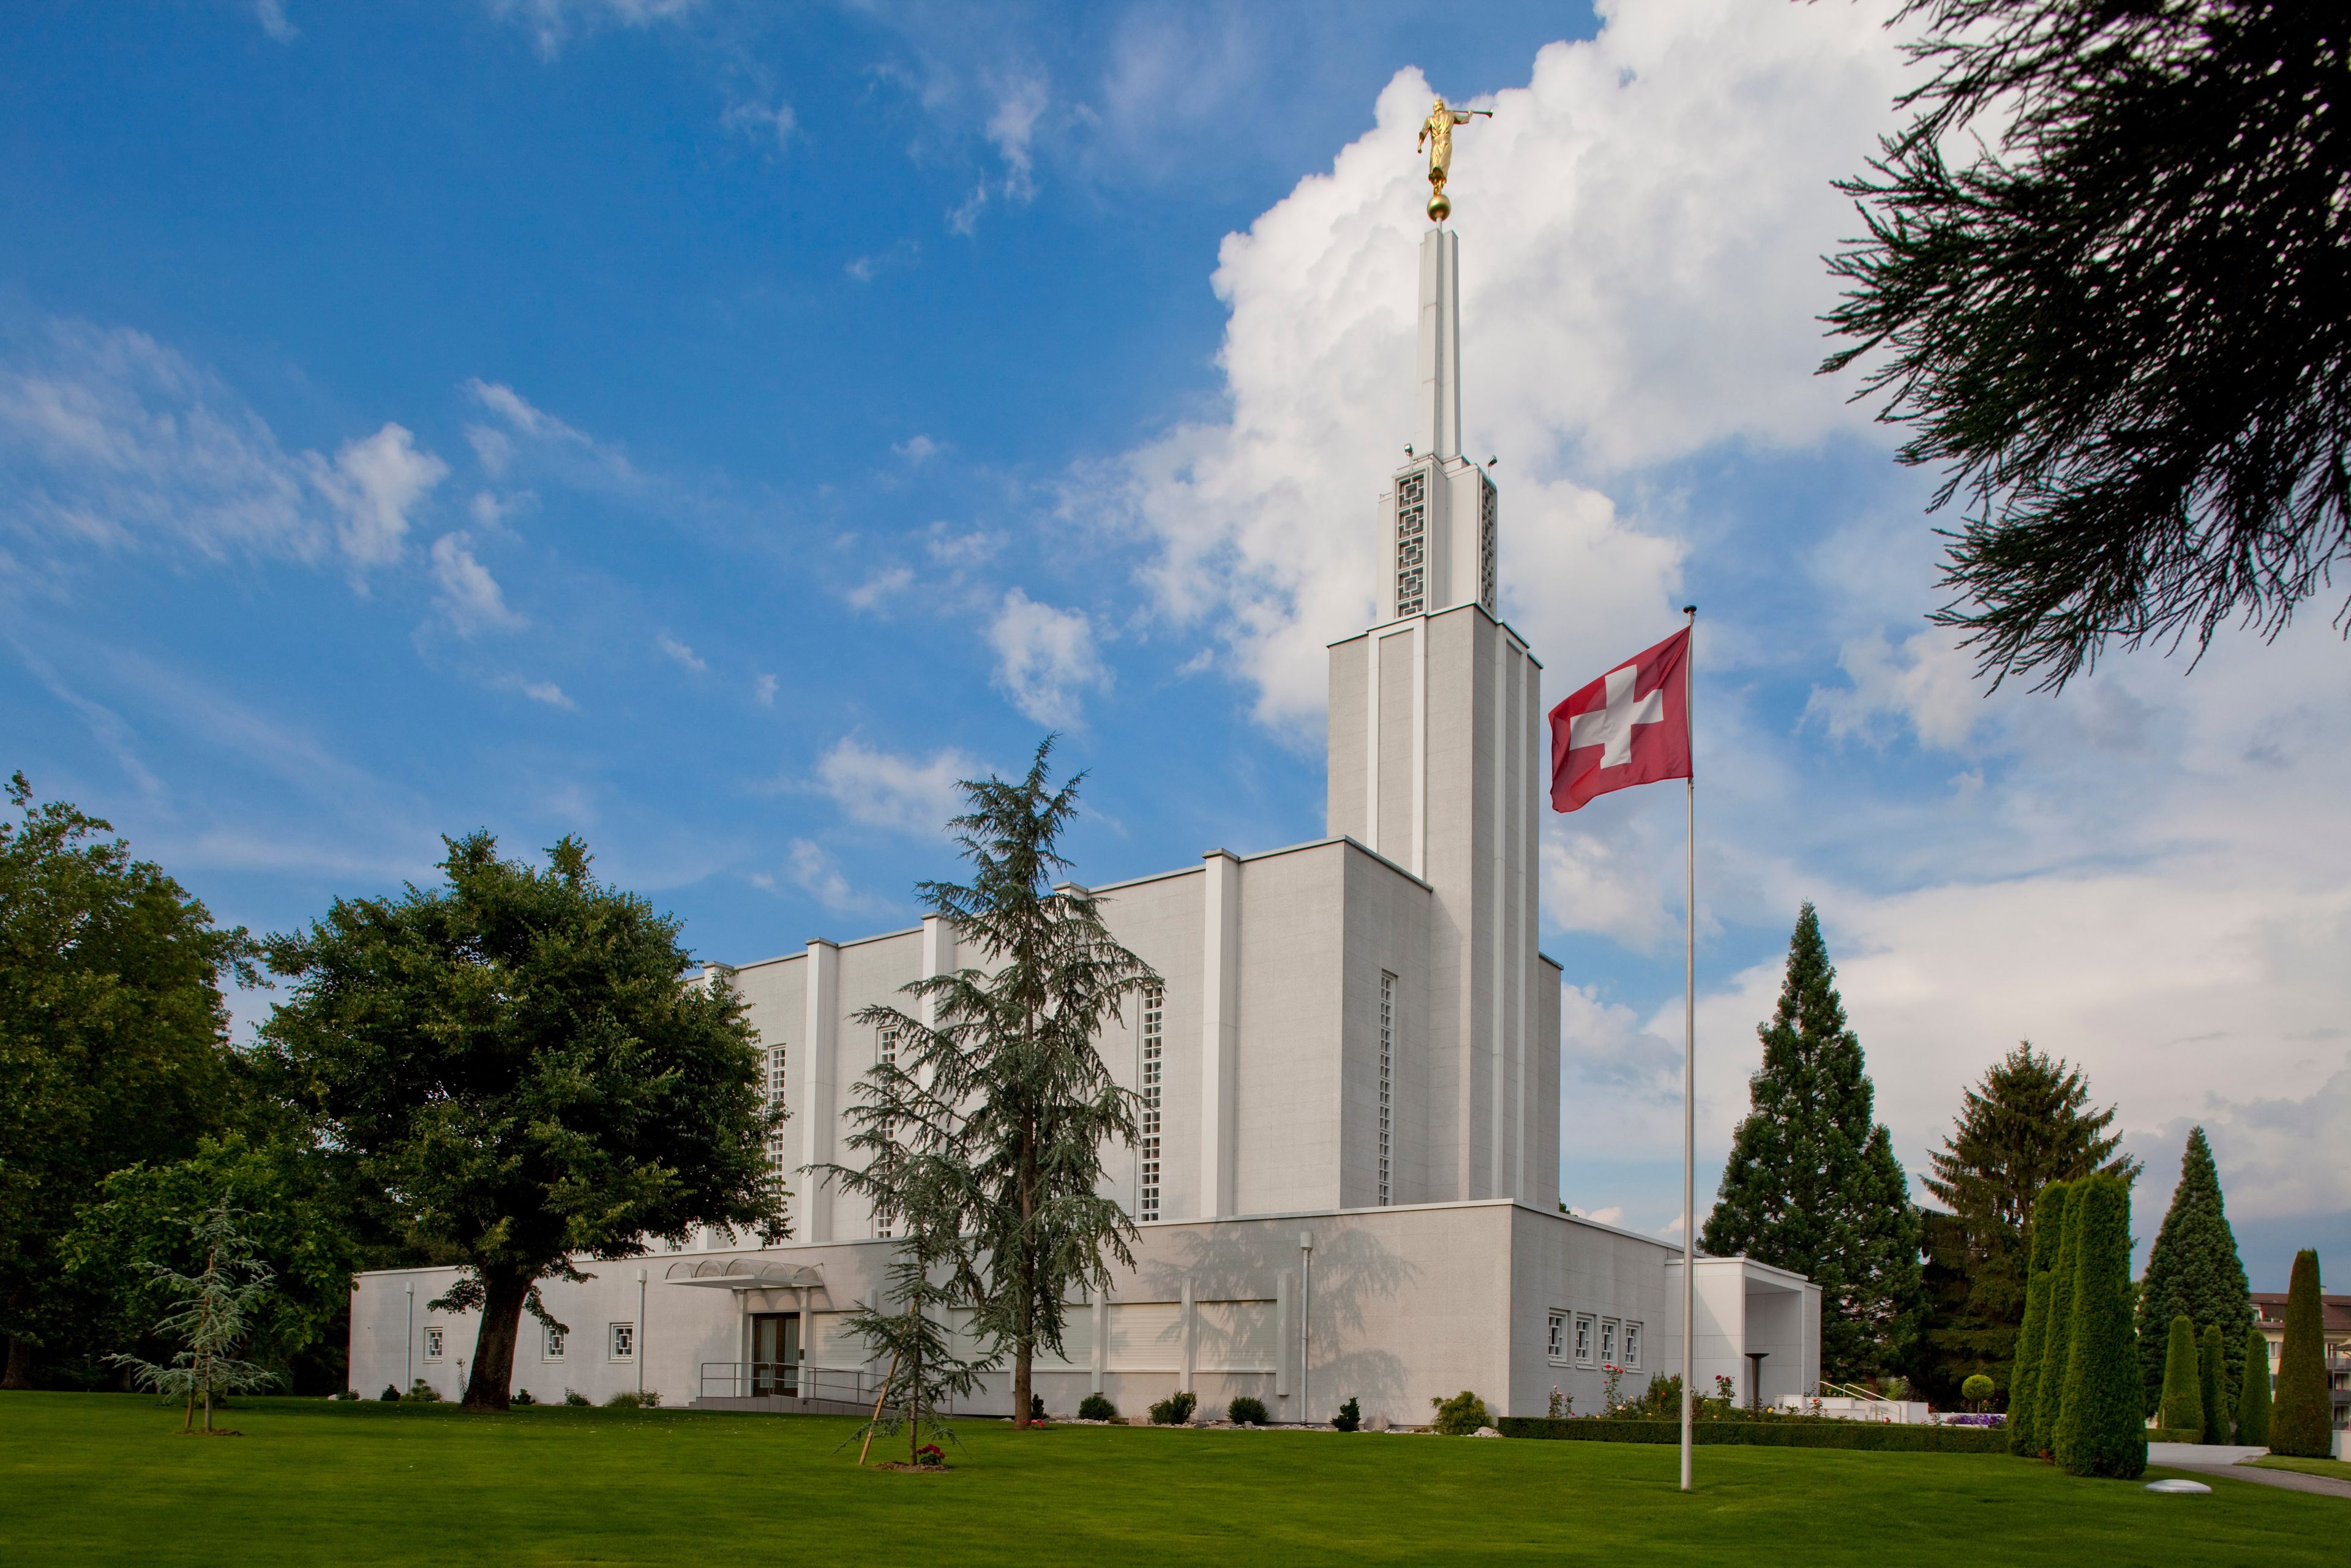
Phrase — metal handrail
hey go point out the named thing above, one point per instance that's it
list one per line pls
(797, 1380)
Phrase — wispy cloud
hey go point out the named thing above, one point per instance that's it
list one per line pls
(271, 14)
(815, 872)
(884, 790)
(763, 122)
(553, 23)
(680, 654)
(469, 596)
(1045, 659)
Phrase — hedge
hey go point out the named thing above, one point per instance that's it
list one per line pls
(2175, 1433)
(1796, 1434)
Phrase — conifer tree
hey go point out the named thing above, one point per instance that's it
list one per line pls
(2023, 1395)
(2253, 1393)
(2193, 1267)
(1013, 1049)
(2100, 1430)
(2300, 1420)
(2057, 1339)
(1811, 1183)
(2183, 1384)
(2211, 1367)
(2028, 1123)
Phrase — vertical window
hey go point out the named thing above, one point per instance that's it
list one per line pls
(435, 1340)
(624, 1342)
(1412, 544)
(551, 1345)
(1556, 1338)
(1154, 1045)
(776, 1064)
(885, 1054)
(1387, 1088)
(1633, 1344)
(1608, 1339)
(1583, 1341)
(1487, 591)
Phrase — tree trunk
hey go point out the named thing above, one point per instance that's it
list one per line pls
(503, 1295)
(20, 1364)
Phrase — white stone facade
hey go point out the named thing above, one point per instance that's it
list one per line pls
(1354, 1041)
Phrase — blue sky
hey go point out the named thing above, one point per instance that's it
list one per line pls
(710, 428)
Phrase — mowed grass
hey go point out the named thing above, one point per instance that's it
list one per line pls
(89, 1478)
(2333, 1469)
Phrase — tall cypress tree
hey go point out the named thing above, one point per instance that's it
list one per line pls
(2057, 1340)
(2028, 1123)
(2100, 1431)
(2183, 1384)
(1811, 1183)
(2193, 1267)
(2299, 1423)
(2253, 1393)
(2048, 1234)
(2211, 1368)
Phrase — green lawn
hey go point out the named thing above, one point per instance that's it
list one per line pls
(104, 1479)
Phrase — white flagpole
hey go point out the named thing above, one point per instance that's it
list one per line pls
(1689, 1050)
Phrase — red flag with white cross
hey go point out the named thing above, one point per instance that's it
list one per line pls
(1630, 727)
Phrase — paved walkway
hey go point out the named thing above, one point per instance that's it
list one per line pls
(2213, 1460)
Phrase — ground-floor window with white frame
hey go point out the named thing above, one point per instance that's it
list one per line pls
(436, 1340)
(1582, 1341)
(624, 1341)
(1632, 1345)
(551, 1340)
(1608, 1339)
(1557, 1336)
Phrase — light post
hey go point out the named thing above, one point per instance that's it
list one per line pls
(641, 1336)
(407, 1372)
(1306, 1329)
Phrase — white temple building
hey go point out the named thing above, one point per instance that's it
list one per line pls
(1347, 1185)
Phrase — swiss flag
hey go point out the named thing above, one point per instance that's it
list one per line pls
(1629, 726)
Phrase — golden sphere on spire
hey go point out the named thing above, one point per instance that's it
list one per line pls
(1438, 207)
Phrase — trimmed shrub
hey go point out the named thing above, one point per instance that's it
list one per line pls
(1246, 1411)
(2253, 1393)
(2182, 1405)
(1036, 1408)
(1788, 1434)
(2102, 1427)
(390, 1395)
(572, 1396)
(2299, 1422)
(1095, 1407)
(522, 1396)
(424, 1392)
(2048, 1233)
(2057, 1333)
(1976, 1389)
(2212, 1382)
(1460, 1415)
(1349, 1417)
(2175, 1433)
(1173, 1410)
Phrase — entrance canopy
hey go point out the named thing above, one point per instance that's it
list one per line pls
(745, 1274)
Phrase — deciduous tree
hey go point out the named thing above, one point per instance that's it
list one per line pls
(519, 1064)
(113, 1044)
(1811, 1183)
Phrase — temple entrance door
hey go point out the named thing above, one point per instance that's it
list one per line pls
(776, 1354)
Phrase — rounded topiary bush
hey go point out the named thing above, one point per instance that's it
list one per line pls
(1246, 1411)
(1461, 1414)
(1976, 1389)
(1173, 1410)
(1095, 1407)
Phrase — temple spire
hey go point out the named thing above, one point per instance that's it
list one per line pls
(1437, 421)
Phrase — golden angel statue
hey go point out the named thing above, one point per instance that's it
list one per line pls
(1437, 136)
